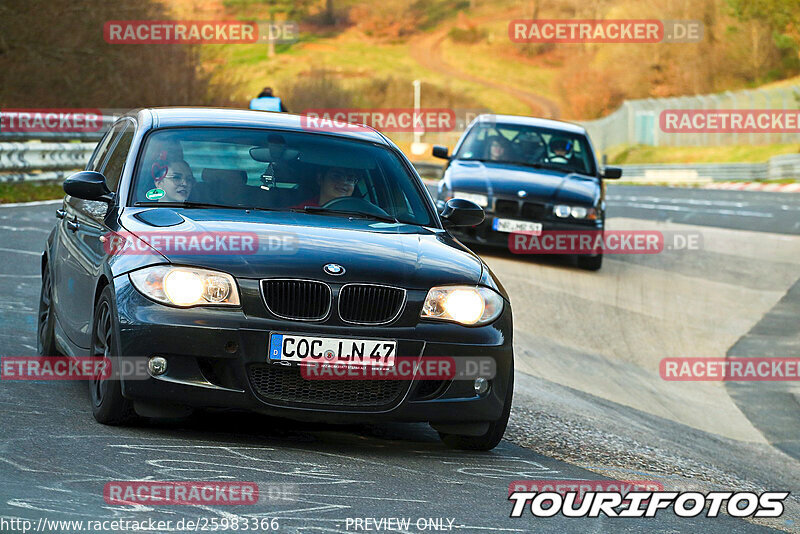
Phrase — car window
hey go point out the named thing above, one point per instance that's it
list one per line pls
(528, 145)
(277, 170)
(103, 147)
(116, 161)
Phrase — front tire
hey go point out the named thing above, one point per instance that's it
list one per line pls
(109, 407)
(492, 437)
(45, 338)
(590, 263)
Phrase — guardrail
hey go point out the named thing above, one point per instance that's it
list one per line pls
(58, 160)
(22, 126)
(779, 167)
(54, 161)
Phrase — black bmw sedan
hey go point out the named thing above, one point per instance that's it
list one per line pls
(531, 176)
(223, 253)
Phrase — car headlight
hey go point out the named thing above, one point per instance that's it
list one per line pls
(576, 212)
(477, 198)
(186, 287)
(467, 305)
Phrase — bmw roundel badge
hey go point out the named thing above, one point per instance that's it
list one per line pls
(333, 269)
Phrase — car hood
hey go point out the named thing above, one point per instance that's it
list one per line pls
(298, 245)
(505, 180)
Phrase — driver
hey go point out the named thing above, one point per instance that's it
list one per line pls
(337, 182)
(561, 147)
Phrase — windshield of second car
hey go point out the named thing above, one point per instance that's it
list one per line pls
(276, 170)
(528, 145)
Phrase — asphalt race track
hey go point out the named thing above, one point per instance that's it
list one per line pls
(589, 401)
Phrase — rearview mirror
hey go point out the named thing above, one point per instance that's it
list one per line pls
(88, 185)
(612, 172)
(461, 212)
(440, 151)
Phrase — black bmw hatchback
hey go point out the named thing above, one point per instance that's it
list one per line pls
(225, 253)
(531, 176)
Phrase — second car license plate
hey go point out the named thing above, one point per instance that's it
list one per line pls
(341, 351)
(517, 227)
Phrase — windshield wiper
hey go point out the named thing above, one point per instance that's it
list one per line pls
(203, 205)
(535, 165)
(191, 205)
(351, 213)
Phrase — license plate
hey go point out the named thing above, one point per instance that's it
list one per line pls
(517, 227)
(341, 351)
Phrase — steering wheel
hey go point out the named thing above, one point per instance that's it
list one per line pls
(355, 204)
(558, 159)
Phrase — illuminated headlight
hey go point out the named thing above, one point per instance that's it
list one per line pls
(576, 212)
(467, 305)
(185, 286)
(561, 210)
(480, 200)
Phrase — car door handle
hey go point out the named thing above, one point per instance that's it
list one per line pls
(73, 225)
(61, 214)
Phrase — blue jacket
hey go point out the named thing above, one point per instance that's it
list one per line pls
(266, 103)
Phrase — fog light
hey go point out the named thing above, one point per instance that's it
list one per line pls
(158, 366)
(481, 386)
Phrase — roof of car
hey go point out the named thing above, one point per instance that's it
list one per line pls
(531, 121)
(243, 118)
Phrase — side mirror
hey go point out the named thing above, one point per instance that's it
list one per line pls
(440, 151)
(461, 212)
(612, 172)
(88, 185)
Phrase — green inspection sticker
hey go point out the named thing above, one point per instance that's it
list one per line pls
(155, 194)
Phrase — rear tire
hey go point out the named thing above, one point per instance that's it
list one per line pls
(109, 407)
(492, 437)
(590, 263)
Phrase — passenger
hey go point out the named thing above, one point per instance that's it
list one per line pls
(498, 149)
(177, 183)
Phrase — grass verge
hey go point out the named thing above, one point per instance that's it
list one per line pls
(698, 154)
(12, 192)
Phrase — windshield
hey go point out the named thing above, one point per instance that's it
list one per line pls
(272, 170)
(528, 145)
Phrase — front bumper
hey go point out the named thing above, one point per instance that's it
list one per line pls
(217, 358)
(484, 233)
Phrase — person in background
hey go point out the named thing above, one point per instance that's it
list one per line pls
(266, 101)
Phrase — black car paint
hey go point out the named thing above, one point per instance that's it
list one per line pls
(408, 256)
